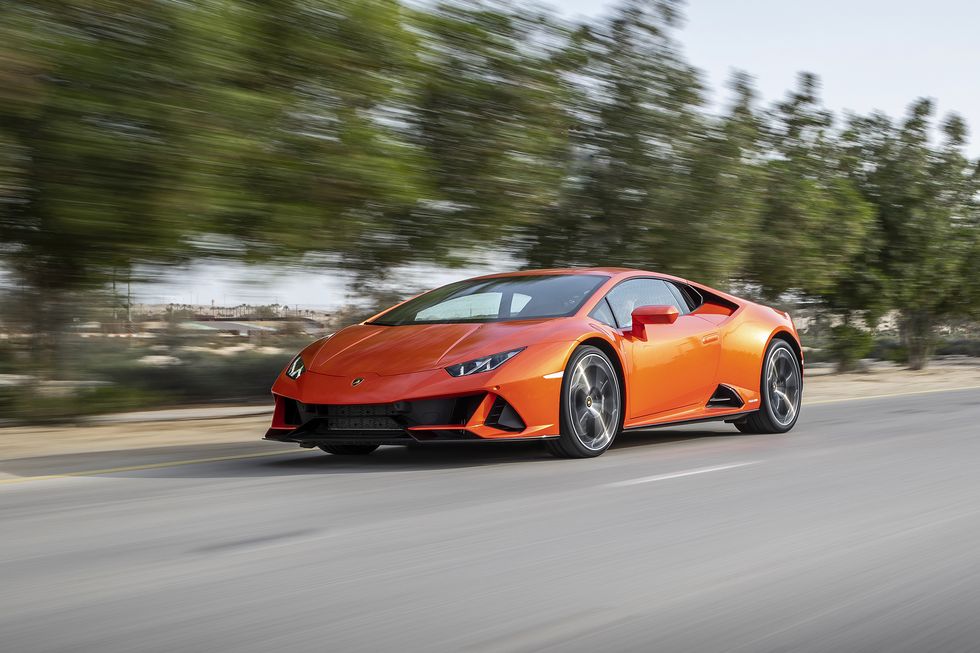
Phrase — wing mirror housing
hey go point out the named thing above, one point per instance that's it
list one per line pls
(644, 315)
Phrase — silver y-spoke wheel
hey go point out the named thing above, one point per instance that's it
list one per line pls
(782, 391)
(783, 386)
(594, 400)
(591, 405)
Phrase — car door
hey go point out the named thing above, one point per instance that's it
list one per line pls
(675, 365)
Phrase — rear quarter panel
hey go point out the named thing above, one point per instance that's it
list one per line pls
(745, 336)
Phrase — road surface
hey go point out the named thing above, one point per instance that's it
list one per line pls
(859, 531)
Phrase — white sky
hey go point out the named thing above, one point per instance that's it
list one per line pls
(869, 54)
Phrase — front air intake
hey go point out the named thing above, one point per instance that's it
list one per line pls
(290, 412)
(503, 416)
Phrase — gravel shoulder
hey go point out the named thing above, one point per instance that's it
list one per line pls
(822, 385)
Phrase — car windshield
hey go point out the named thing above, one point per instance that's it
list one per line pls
(525, 297)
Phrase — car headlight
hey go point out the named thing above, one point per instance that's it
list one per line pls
(296, 367)
(485, 364)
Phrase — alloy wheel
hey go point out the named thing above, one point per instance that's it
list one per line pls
(783, 386)
(594, 402)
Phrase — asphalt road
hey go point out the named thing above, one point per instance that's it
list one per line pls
(859, 531)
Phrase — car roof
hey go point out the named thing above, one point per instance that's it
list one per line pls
(613, 272)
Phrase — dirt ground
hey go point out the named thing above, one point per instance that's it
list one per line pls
(18, 443)
(822, 385)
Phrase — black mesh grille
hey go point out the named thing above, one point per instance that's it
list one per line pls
(390, 417)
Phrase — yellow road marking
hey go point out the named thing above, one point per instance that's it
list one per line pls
(217, 459)
(885, 396)
(135, 468)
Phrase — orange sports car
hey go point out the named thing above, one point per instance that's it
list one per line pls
(569, 357)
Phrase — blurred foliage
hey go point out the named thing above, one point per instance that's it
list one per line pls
(200, 377)
(378, 133)
(925, 198)
(116, 374)
(848, 345)
(29, 407)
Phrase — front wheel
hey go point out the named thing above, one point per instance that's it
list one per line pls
(591, 405)
(781, 390)
(349, 449)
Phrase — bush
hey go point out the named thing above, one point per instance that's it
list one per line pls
(202, 377)
(848, 345)
(889, 349)
(958, 347)
(26, 404)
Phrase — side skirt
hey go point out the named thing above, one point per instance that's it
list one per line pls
(729, 417)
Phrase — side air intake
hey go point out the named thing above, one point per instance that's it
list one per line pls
(725, 397)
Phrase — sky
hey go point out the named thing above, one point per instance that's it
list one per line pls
(869, 54)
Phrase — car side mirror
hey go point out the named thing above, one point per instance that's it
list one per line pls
(644, 315)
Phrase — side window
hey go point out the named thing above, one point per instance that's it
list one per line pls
(681, 298)
(603, 313)
(640, 292)
(692, 296)
(518, 302)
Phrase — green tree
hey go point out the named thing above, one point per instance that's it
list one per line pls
(814, 220)
(817, 237)
(637, 122)
(718, 207)
(491, 116)
(926, 203)
(160, 132)
(299, 143)
(89, 133)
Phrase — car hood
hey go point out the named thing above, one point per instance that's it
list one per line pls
(388, 350)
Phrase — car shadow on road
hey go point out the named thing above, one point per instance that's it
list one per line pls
(654, 436)
(264, 459)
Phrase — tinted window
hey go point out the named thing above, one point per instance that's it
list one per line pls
(503, 298)
(692, 296)
(682, 300)
(603, 313)
(640, 292)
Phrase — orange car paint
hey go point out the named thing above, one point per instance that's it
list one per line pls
(669, 370)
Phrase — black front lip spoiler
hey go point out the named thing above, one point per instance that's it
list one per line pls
(308, 438)
(307, 435)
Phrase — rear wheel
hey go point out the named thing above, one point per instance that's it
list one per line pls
(591, 405)
(349, 449)
(781, 390)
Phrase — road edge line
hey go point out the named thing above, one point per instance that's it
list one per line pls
(136, 468)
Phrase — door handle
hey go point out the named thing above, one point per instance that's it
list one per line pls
(710, 338)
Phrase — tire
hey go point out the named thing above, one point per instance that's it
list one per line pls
(781, 391)
(591, 412)
(349, 449)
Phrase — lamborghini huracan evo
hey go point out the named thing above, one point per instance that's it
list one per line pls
(570, 357)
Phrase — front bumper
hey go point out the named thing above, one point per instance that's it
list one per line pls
(402, 422)
(515, 402)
